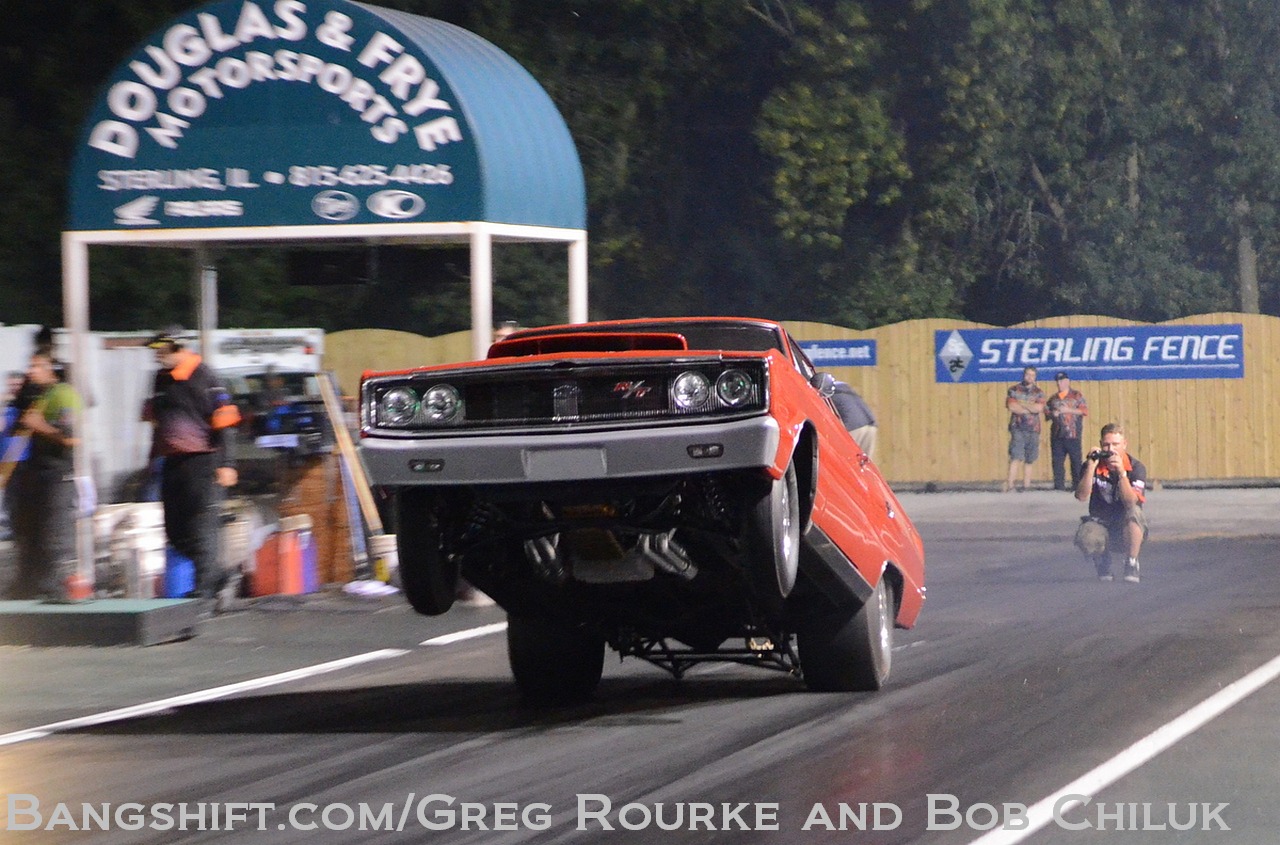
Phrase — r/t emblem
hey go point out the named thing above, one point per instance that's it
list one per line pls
(631, 389)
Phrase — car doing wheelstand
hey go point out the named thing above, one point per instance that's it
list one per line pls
(679, 490)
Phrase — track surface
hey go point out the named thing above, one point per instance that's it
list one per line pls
(1024, 674)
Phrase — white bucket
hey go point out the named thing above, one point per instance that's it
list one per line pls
(386, 556)
(131, 544)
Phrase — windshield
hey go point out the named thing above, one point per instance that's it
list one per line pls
(736, 337)
(279, 385)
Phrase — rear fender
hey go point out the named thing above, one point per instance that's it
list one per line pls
(909, 596)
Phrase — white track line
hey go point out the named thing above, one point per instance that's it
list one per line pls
(163, 704)
(1041, 813)
(469, 634)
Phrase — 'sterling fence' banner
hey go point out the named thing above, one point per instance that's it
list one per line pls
(1091, 354)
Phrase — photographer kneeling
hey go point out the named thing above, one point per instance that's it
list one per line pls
(1114, 484)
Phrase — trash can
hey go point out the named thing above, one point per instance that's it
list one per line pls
(310, 562)
(280, 566)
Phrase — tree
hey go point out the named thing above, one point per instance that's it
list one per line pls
(845, 160)
(842, 166)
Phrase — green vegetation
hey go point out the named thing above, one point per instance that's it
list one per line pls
(850, 161)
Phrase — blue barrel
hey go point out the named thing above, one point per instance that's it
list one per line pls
(179, 574)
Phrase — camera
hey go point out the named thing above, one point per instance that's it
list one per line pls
(1101, 455)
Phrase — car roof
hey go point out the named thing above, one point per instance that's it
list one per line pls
(699, 331)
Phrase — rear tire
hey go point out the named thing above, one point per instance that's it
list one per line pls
(428, 575)
(553, 661)
(843, 652)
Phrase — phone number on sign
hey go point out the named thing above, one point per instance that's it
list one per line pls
(350, 175)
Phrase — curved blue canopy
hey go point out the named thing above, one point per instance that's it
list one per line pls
(320, 112)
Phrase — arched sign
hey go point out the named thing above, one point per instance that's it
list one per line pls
(321, 113)
(301, 121)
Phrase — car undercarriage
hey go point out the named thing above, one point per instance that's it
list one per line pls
(667, 570)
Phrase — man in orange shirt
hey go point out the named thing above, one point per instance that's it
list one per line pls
(1065, 411)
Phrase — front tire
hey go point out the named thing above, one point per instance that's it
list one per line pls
(553, 661)
(428, 575)
(773, 537)
(840, 652)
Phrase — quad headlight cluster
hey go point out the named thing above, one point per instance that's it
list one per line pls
(693, 390)
(584, 394)
(408, 406)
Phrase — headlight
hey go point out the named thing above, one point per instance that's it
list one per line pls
(441, 403)
(734, 387)
(690, 391)
(398, 406)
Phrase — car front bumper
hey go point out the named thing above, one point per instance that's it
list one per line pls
(572, 456)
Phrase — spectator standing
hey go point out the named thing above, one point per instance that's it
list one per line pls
(13, 446)
(856, 415)
(193, 423)
(1025, 401)
(26, 391)
(1066, 411)
(505, 329)
(41, 491)
(13, 384)
(1114, 483)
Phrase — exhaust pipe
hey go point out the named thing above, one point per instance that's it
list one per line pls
(544, 554)
(666, 554)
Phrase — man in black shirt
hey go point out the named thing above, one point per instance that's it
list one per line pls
(193, 419)
(856, 416)
(1114, 483)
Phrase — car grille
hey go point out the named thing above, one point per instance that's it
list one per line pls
(564, 396)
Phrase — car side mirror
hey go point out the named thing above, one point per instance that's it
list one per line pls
(824, 383)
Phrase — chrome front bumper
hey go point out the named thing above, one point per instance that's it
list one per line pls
(571, 456)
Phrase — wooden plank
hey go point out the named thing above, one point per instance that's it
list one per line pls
(355, 468)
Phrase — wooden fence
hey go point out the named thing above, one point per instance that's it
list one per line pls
(955, 434)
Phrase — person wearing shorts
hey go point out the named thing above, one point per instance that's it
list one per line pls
(1025, 401)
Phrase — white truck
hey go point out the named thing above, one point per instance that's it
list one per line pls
(120, 370)
(273, 376)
